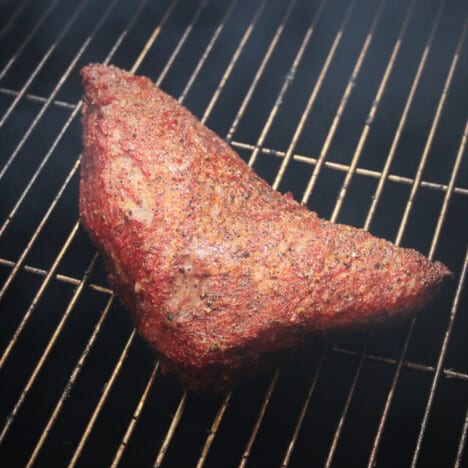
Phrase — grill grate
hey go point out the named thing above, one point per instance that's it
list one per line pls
(358, 108)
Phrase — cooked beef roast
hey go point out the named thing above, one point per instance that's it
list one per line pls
(218, 270)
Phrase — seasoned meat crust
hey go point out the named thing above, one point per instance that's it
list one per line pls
(218, 270)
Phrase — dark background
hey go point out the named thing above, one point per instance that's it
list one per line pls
(39, 170)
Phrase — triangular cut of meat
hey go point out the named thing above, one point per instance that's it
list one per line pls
(218, 270)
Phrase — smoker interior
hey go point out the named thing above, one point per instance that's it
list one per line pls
(356, 107)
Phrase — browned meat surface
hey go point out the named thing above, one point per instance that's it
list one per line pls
(218, 270)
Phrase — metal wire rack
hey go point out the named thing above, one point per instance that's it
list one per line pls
(359, 108)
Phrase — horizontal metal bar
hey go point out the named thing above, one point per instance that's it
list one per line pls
(58, 277)
(448, 373)
(38, 99)
(345, 167)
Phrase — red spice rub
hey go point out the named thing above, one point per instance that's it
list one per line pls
(217, 269)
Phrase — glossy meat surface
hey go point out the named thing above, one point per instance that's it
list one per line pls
(219, 271)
